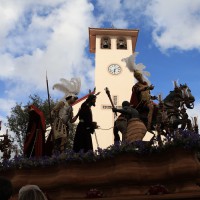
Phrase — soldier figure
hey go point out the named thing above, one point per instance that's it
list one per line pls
(141, 97)
(63, 114)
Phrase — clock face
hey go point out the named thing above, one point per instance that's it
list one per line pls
(114, 69)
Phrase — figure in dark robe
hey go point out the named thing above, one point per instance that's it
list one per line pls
(86, 126)
(34, 145)
(120, 125)
(136, 129)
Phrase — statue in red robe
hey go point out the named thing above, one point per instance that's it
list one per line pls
(34, 145)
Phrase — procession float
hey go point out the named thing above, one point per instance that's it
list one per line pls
(165, 167)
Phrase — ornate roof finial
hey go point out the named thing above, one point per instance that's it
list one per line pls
(112, 26)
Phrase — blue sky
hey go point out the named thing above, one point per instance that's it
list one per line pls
(39, 36)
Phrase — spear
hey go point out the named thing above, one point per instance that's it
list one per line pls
(49, 103)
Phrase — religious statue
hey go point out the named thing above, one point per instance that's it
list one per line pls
(34, 144)
(141, 98)
(63, 112)
(86, 126)
(136, 129)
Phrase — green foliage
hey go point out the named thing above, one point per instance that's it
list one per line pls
(42, 105)
(18, 120)
(17, 123)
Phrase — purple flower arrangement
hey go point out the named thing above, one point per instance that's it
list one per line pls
(157, 190)
(184, 139)
(94, 193)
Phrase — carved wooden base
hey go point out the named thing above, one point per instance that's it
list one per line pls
(126, 176)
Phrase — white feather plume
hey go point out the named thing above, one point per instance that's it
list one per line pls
(71, 87)
(130, 62)
(132, 66)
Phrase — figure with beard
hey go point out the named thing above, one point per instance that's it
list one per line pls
(34, 145)
(86, 126)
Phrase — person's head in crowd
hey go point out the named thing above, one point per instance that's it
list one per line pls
(6, 188)
(31, 192)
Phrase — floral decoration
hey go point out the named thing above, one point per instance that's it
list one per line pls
(185, 139)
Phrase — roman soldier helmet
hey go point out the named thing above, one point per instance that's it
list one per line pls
(69, 88)
(71, 96)
(137, 72)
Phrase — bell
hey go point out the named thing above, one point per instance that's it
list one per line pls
(105, 44)
(121, 44)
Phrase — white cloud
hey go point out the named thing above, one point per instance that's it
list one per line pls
(5, 109)
(38, 36)
(175, 23)
(112, 11)
(109, 7)
(52, 35)
(35, 42)
(122, 14)
(6, 105)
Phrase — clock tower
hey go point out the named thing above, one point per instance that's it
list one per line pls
(110, 47)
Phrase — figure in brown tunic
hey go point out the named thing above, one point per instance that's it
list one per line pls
(141, 98)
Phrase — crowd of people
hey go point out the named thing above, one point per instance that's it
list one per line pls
(26, 192)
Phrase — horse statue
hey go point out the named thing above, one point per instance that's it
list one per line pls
(168, 115)
(172, 110)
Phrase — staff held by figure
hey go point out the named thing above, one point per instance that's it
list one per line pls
(109, 96)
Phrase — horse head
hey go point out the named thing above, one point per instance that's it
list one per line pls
(187, 97)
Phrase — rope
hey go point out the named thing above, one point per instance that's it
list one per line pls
(138, 104)
(105, 129)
